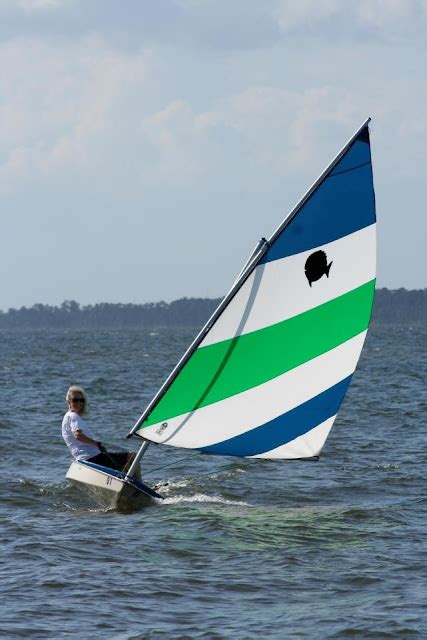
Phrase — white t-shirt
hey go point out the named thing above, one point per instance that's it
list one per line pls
(71, 423)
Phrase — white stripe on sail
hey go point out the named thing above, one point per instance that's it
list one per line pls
(244, 411)
(305, 446)
(261, 303)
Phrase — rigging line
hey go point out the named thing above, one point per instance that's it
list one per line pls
(250, 464)
(171, 464)
(191, 455)
(162, 483)
(357, 166)
(168, 465)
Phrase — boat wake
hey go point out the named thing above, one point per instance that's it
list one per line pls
(203, 498)
(192, 490)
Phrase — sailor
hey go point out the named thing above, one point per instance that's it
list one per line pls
(80, 441)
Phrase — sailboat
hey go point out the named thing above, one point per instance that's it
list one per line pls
(266, 375)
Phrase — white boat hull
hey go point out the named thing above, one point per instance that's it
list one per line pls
(110, 488)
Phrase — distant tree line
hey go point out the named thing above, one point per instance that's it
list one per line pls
(186, 312)
(400, 306)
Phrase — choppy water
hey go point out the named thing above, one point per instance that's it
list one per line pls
(239, 549)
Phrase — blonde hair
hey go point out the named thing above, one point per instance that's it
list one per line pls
(75, 388)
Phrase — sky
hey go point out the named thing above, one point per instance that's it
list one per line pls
(146, 146)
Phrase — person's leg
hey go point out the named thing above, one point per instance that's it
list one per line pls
(101, 459)
(123, 461)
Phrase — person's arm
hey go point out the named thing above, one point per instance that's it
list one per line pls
(84, 438)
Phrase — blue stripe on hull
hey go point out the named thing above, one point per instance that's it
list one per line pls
(342, 204)
(286, 427)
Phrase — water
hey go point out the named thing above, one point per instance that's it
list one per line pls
(239, 549)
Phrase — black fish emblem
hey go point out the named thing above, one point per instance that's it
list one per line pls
(316, 266)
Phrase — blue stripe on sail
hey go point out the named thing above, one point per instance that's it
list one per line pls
(342, 204)
(286, 427)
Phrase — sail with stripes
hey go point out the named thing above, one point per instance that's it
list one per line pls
(268, 374)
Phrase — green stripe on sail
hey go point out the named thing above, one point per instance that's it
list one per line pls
(223, 369)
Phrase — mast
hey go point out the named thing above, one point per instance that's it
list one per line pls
(132, 469)
(249, 267)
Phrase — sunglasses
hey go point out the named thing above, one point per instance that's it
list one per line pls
(77, 400)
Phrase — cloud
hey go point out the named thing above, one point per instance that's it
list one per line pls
(252, 139)
(58, 103)
(196, 114)
(38, 5)
(85, 111)
(385, 19)
(215, 25)
(153, 118)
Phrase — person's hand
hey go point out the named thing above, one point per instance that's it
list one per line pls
(102, 448)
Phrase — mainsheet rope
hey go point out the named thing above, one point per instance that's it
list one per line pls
(168, 465)
(252, 462)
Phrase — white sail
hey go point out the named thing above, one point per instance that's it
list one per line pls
(269, 373)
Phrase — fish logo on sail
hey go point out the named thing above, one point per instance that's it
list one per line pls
(316, 266)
